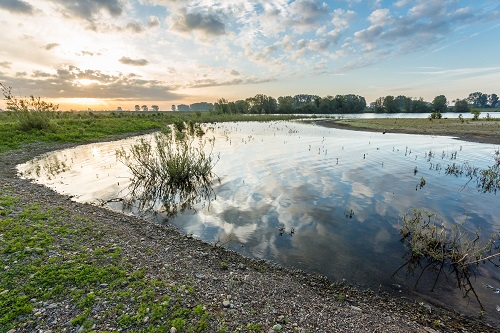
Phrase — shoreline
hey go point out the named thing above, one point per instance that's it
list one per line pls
(459, 135)
(246, 292)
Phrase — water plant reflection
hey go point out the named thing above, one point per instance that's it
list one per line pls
(170, 173)
(456, 251)
(487, 180)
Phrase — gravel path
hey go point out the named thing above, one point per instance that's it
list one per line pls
(244, 292)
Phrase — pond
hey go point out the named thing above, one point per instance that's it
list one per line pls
(323, 200)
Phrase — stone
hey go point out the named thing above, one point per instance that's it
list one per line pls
(226, 303)
(173, 330)
(277, 327)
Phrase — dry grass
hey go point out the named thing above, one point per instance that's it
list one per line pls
(486, 131)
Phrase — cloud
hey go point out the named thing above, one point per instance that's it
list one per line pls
(235, 73)
(63, 83)
(402, 3)
(5, 64)
(153, 22)
(17, 6)
(207, 23)
(133, 62)
(306, 14)
(90, 9)
(135, 27)
(205, 83)
(51, 46)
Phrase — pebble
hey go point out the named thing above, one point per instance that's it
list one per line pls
(173, 330)
(226, 303)
(277, 327)
(52, 306)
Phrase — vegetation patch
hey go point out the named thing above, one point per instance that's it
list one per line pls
(48, 264)
(431, 246)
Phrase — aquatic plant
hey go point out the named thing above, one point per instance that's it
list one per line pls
(487, 180)
(431, 246)
(171, 173)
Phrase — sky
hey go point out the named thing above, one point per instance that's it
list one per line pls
(104, 54)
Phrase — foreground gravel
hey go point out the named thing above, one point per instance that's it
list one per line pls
(244, 292)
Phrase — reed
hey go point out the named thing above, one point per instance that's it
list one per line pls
(172, 172)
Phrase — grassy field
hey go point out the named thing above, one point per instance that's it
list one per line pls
(72, 127)
(482, 130)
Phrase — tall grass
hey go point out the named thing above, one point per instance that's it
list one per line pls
(170, 173)
(31, 113)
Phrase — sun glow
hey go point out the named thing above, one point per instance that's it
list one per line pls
(85, 82)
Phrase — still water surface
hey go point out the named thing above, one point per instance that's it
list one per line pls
(323, 200)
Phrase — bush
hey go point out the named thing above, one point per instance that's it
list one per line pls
(31, 113)
(475, 113)
(436, 115)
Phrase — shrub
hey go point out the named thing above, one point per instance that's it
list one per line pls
(475, 113)
(31, 113)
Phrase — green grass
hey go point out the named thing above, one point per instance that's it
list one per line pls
(72, 127)
(43, 260)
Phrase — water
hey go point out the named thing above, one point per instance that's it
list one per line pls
(323, 200)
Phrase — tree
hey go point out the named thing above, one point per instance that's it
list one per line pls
(119, 108)
(222, 106)
(353, 104)
(440, 104)
(475, 113)
(285, 104)
(302, 99)
(379, 105)
(478, 99)
(492, 100)
(404, 103)
(144, 108)
(390, 105)
(262, 104)
(242, 106)
(461, 106)
(155, 107)
(420, 106)
(137, 108)
(173, 107)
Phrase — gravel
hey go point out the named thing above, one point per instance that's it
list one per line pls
(246, 291)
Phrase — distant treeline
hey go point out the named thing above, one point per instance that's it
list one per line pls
(313, 104)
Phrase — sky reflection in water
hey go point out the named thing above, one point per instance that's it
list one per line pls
(341, 192)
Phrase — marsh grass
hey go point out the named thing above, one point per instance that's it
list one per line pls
(487, 180)
(74, 127)
(430, 246)
(171, 173)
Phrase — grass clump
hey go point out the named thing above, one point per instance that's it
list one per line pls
(172, 173)
(32, 113)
